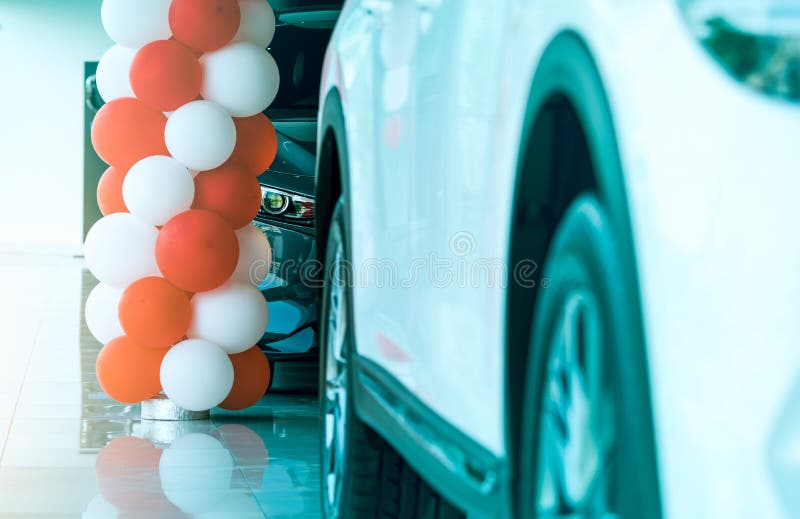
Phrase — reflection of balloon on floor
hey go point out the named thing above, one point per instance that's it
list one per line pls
(196, 472)
(199, 474)
(237, 505)
(99, 508)
(127, 472)
(248, 450)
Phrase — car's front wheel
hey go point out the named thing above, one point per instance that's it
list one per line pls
(362, 475)
(584, 440)
(349, 462)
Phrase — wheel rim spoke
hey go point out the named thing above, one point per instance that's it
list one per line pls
(574, 451)
(336, 397)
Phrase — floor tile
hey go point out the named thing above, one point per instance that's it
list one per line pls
(7, 403)
(4, 426)
(49, 491)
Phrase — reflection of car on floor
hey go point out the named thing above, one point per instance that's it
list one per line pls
(571, 231)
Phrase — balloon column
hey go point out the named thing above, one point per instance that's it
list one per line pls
(183, 132)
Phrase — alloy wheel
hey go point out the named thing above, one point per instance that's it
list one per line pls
(576, 429)
(335, 393)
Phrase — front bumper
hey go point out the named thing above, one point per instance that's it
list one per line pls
(712, 177)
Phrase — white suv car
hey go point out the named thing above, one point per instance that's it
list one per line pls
(562, 258)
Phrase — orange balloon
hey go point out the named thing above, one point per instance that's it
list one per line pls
(256, 143)
(154, 313)
(128, 477)
(126, 130)
(204, 25)
(109, 192)
(166, 74)
(230, 192)
(251, 376)
(197, 250)
(127, 372)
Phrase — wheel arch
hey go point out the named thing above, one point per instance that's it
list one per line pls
(331, 171)
(567, 77)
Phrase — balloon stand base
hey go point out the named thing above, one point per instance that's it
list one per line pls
(164, 409)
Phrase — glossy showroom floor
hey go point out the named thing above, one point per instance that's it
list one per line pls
(69, 451)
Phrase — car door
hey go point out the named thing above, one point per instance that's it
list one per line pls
(383, 262)
(459, 215)
(429, 300)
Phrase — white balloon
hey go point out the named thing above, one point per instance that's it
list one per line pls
(234, 316)
(113, 73)
(134, 23)
(120, 248)
(101, 313)
(196, 472)
(241, 77)
(196, 374)
(257, 23)
(200, 135)
(255, 256)
(157, 188)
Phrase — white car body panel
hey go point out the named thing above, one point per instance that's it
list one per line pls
(712, 172)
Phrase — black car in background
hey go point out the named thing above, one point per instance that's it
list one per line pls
(303, 29)
(287, 219)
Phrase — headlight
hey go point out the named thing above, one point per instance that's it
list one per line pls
(275, 203)
(285, 205)
(756, 41)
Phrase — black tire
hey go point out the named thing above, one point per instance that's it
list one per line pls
(584, 259)
(376, 482)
